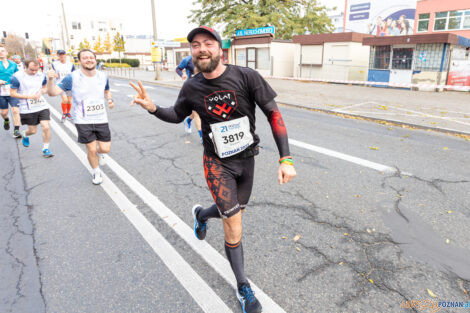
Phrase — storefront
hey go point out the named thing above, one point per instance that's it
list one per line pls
(264, 53)
(416, 59)
(338, 56)
(174, 56)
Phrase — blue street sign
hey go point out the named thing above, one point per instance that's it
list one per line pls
(255, 31)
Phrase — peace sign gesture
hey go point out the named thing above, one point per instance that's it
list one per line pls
(143, 98)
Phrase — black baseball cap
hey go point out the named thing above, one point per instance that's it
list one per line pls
(59, 52)
(206, 30)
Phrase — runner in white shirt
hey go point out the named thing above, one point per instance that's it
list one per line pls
(17, 59)
(90, 92)
(29, 86)
(62, 69)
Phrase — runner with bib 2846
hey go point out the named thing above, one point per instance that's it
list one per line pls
(225, 97)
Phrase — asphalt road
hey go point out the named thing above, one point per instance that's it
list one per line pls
(372, 235)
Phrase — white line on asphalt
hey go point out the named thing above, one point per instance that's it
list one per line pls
(353, 106)
(113, 90)
(131, 96)
(205, 250)
(345, 157)
(121, 85)
(430, 115)
(205, 297)
(148, 87)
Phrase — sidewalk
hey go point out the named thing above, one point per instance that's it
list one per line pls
(444, 111)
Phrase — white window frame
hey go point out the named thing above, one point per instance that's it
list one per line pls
(448, 17)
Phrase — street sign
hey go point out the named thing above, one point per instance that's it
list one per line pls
(166, 44)
(156, 54)
(255, 31)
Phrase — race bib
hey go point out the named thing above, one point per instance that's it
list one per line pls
(93, 108)
(61, 75)
(36, 103)
(231, 137)
(4, 90)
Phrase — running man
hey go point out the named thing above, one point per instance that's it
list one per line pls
(188, 66)
(29, 86)
(7, 69)
(225, 96)
(90, 92)
(17, 59)
(62, 69)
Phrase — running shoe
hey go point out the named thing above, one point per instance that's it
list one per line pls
(16, 133)
(247, 299)
(64, 117)
(200, 229)
(6, 125)
(97, 179)
(69, 116)
(101, 159)
(25, 141)
(47, 153)
(187, 125)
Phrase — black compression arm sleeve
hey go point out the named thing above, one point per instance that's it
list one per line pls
(277, 126)
(168, 115)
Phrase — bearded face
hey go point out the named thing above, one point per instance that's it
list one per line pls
(206, 62)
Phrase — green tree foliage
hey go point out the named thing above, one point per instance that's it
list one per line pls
(290, 17)
(119, 44)
(98, 45)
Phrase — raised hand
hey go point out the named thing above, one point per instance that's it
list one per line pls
(142, 98)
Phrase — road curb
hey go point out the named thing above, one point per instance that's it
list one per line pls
(332, 112)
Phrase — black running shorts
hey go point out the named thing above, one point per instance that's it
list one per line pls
(230, 181)
(90, 132)
(33, 119)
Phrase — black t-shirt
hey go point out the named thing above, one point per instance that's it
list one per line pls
(232, 95)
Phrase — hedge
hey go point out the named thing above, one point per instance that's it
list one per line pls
(131, 62)
(116, 65)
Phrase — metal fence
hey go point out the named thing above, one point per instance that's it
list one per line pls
(128, 72)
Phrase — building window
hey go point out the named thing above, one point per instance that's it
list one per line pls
(240, 57)
(428, 57)
(402, 58)
(92, 25)
(71, 36)
(76, 25)
(381, 58)
(263, 59)
(452, 20)
(102, 26)
(93, 38)
(423, 22)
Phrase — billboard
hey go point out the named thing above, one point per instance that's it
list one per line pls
(381, 17)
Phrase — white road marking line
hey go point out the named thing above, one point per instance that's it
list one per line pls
(114, 90)
(148, 87)
(121, 85)
(381, 113)
(353, 106)
(345, 157)
(205, 250)
(131, 96)
(430, 115)
(205, 297)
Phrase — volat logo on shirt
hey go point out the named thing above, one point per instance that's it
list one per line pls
(221, 103)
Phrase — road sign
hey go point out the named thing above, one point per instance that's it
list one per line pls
(156, 54)
(166, 44)
(255, 31)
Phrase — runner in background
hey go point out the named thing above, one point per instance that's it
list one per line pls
(7, 69)
(62, 67)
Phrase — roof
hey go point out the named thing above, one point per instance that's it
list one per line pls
(319, 39)
(417, 39)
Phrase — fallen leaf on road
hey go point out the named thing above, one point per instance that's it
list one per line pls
(368, 230)
(297, 248)
(447, 241)
(374, 148)
(341, 263)
(450, 211)
(433, 123)
(445, 148)
(421, 204)
(284, 237)
(371, 281)
(358, 196)
(406, 136)
(431, 293)
(383, 107)
(373, 229)
(297, 237)
(346, 234)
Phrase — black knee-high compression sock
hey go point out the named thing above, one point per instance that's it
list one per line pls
(235, 257)
(210, 212)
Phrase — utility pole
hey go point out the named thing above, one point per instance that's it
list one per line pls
(66, 29)
(154, 20)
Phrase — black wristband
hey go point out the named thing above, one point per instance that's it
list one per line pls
(153, 113)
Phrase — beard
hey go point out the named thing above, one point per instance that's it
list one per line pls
(89, 67)
(207, 67)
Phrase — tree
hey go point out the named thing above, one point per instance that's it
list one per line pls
(119, 44)
(98, 45)
(290, 17)
(14, 44)
(29, 50)
(107, 44)
(85, 44)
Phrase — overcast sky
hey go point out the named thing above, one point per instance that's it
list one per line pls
(39, 18)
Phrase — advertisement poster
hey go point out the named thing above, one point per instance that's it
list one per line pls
(459, 73)
(381, 17)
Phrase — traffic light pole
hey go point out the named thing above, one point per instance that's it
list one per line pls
(157, 66)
